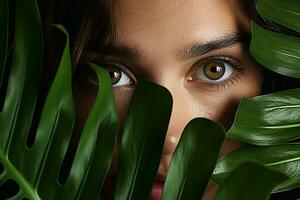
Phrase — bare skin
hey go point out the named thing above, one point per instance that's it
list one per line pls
(166, 39)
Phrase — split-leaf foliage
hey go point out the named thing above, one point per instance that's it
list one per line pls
(36, 169)
(270, 123)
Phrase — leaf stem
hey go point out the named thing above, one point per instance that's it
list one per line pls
(13, 172)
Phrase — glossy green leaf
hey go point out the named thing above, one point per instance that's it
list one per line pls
(36, 170)
(286, 13)
(284, 158)
(57, 117)
(275, 51)
(94, 153)
(249, 181)
(25, 74)
(193, 160)
(23, 86)
(3, 36)
(276, 119)
(142, 142)
(96, 146)
(25, 165)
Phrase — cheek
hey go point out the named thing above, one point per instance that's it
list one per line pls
(221, 105)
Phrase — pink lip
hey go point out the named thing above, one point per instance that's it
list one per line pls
(156, 191)
(157, 188)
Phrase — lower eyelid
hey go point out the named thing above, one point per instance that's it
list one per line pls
(233, 80)
(229, 82)
(125, 88)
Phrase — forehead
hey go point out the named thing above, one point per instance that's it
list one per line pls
(169, 24)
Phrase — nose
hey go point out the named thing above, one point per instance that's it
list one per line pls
(178, 120)
(186, 106)
(180, 116)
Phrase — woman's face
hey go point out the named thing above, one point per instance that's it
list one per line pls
(196, 49)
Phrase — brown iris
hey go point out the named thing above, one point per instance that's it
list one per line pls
(214, 70)
(115, 75)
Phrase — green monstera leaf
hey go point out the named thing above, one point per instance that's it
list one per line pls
(235, 187)
(276, 120)
(36, 169)
(194, 160)
(3, 36)
(276, 115)
(270, 122)
(284, 158)
(142, 140)
(276, 51)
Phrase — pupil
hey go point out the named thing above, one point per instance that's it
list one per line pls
(214, 71)
(115, 76)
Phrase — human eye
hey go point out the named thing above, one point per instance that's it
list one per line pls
(120, 75)
(216, 71)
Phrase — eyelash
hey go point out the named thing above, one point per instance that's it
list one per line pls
(126, 71)
(104, 62)
(230, 81)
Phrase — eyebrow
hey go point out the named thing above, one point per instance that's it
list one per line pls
(198, 49)
(190, 51)
(123, 51)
